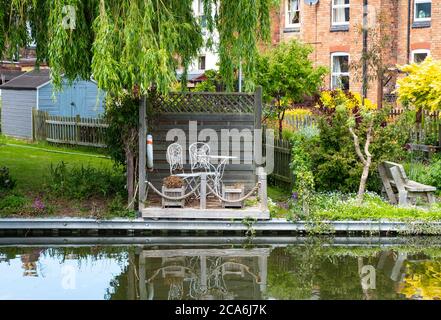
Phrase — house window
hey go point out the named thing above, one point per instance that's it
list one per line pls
(201, 63)
(292, 18)
(422, 10)
(201, 15)
(420, 55)
(340, 70)
(340, 12)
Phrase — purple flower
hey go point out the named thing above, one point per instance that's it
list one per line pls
(38, 205)
(295, 196)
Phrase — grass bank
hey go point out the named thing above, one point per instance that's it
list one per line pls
(58, 181)
(336, 206)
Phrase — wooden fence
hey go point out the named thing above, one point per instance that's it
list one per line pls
(298, 122)
(282, 174)
(426, 132)
(68, 130)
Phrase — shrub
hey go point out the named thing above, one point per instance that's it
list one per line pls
(84, 182)
(425, 173)
(334, 162)
(117, 208)
(434, 174)
(302, 166)
(12, 204)
(6, 181)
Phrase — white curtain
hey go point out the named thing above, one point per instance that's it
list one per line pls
(336, 66)
(293, 9)
(339, 12)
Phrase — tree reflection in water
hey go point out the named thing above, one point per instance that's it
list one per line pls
(312, 269)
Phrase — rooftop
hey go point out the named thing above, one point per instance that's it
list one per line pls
(28, 81)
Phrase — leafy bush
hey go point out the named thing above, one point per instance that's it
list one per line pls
(302, 165)
(332, 156)
(84, 182)
(6, 181)
(12, 204)
(425, 173)
(118, 208)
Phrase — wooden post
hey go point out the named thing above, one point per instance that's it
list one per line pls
(258, 108)
(203, 272)
(142, 278)
(203, 200)
(258, 136)
(77, 128)
(262, 189)
(439, 134)
(34, 115)
(142, 175)
(263, 272)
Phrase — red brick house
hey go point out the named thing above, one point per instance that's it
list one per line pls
(332, 28)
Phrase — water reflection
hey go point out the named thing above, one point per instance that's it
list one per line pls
(310, 270)
(203, 274)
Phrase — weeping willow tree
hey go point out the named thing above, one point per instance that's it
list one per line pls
(130, 46)
(127, 44)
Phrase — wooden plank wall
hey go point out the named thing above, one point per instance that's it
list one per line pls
(243, 172)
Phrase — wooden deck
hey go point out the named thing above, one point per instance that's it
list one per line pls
(214, 210)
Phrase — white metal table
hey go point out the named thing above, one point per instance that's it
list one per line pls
(220, 168)
(191, 179)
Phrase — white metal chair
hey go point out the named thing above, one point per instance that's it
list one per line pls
(175, 157)
(199, 152)
(200, 160)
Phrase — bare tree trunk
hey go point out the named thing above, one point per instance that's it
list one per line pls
(366, 159)
(363, 180)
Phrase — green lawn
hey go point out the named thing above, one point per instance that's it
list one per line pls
(28, 162)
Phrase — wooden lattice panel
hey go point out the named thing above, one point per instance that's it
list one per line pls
(204, 102)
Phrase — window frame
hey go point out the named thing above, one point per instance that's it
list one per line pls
(418, 51)
(287, 23)
(200, 64)
(415, 18)
(333, 74)
(344, 6)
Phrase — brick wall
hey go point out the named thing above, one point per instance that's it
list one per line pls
(315, 29)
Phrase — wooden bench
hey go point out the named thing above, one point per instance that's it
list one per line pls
(399, 188)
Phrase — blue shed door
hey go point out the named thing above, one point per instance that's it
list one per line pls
(73, 100)
(78, 97)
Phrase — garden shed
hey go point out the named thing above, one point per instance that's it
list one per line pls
(34, 89)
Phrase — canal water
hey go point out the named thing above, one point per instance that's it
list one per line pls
(307, 268)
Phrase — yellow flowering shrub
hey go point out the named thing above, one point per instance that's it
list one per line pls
(422, 86)
(349, 100)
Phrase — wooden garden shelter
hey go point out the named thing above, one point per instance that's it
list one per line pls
(212, 114)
